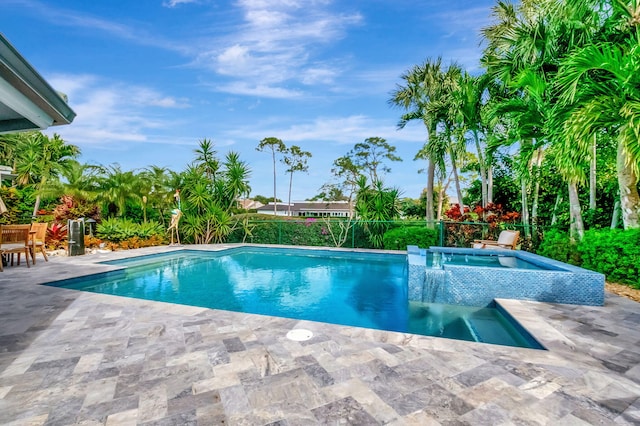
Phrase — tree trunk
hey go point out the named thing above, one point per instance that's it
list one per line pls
(275, 204)
(456, 180)
(489, 185)
(431, 173)
(483, 170)
(576, 229)
(36, 207)
(443, 190)
(290, 184)
(592, 177)
(536, 190)
(525, 207)
(554, 216)
(629, 198)
(616, 214)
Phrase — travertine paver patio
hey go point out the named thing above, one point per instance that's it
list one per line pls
(68, 357)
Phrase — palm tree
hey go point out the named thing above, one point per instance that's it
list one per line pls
(117, 187)
(274, 145)
(40, 158)
(159, 189)
(602, 84)
(525, 45)
(236, 179)
(426, 95)
(296, 161)
(206, 156)
(77, 180)
(469, 108)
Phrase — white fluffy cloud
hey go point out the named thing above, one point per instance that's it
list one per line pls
(110, 112)
(275, 47)
(174, 3)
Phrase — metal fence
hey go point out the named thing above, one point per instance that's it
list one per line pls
(357, 234)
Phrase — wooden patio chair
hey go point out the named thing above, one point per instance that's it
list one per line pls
(36, 242)
(14, 239)
(507, 239)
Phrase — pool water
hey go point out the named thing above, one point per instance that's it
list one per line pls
(346, 288)
(436, 260)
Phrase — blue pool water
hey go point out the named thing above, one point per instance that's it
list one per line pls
(487, 260)
(357, 289)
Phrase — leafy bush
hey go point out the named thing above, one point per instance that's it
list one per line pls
(19, 203)
(400, 238)
(278, 230)
(267, 229)
(613, 252)
(117, 230)
(557, 245)
(72, 208)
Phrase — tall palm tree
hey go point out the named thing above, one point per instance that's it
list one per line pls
(469, 105)
(273, 145)
(296, 161)
(426, 95)
(525, 44)
(602, 84)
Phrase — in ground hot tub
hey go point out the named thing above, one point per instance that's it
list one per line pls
(474, 277)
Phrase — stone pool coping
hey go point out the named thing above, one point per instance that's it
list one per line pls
(68, 356)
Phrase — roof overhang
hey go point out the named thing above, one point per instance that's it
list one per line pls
(27, 101)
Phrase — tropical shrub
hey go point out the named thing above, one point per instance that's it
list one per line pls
(613, 252)
(71, 208)
(376, 206)
(267, 229)
(282, 230)
(556, 244)
(463, 225)
(56, 236)
(117, 230)
(400, 238)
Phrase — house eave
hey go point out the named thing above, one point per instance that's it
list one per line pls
(27, 101)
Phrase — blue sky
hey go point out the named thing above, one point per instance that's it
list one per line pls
(148, 79)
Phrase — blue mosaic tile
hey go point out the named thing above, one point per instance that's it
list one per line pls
(478, 286)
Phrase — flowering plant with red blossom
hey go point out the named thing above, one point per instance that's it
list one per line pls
(461, 233)
(458, 214)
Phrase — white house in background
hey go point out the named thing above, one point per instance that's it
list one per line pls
(335, 209)
(248, 204)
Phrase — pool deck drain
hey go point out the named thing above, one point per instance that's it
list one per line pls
(69, 357)
(299, 335)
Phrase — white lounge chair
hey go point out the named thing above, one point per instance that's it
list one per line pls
(507, 239)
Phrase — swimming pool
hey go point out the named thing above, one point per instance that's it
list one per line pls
(347, 288)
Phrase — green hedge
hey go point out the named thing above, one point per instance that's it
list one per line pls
(615, 253)
(612, 252)
(400, 238)
(265, 229)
